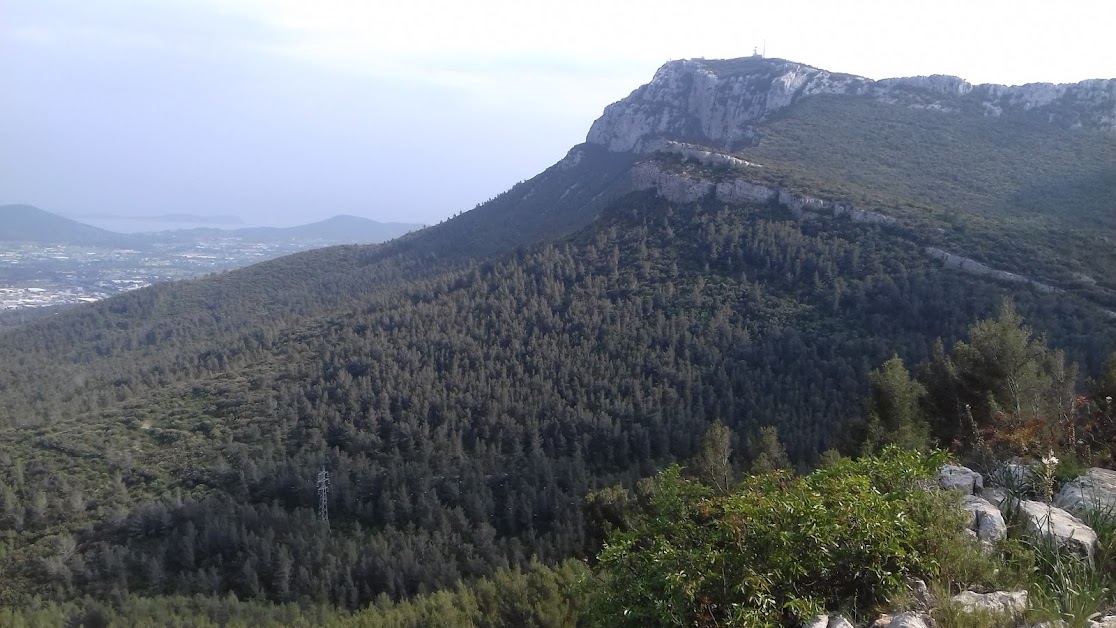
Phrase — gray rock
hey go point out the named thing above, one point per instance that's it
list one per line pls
(1054, 524)
(921, 594)
(1014, 477)
(839, 622)
(719, 106)
(1096, 490)
(995, 495)
(903, 620)
(821, 621)
(1009, 602)
(1104, 622)
(985, 520)
(958, 478)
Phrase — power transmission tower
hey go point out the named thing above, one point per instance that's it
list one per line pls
(323, 497)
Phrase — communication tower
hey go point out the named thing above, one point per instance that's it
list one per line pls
(323, 496)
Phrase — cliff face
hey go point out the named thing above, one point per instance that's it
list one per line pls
(718, 103)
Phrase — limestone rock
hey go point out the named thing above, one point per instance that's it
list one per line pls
(821, 621)
(995, 495)
(1050, 522)
(1104, 622)
(1013, 476)
(986, 520)
(958, 478)
(1096, 490)
(1010, 602)
(921, 593)
(719, 103)
(902, 620)
(839, 622)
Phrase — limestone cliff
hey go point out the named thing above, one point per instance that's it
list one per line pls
(717, 103)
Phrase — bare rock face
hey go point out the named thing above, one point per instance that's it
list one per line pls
(921, 593)
(957, 478)
(718, 103)
(1058, 526)
(1096, 490)
(985, 520)
(1012, 603)
(825, 621)
(902, 620)
(698, 100)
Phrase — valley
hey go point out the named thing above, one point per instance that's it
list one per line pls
(53, 263)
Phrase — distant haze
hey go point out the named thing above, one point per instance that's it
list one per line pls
(283, 112)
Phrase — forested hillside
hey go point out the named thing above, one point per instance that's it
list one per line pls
(464, 415)
(468, 385)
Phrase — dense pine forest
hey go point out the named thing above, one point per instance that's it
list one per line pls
(499, 399)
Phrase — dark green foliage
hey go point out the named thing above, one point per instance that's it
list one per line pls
(1004, 382)
(713, 463)
(769, 453)
(777, 550)
(463, 409)
(895, 411)
(535, 596)
(1016, 192)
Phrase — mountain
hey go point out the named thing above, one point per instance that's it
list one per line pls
(739, 241)
(213, 219)
(336, 230)
(24, 223)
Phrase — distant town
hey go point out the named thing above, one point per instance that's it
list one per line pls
(37, 275)
(49, 262)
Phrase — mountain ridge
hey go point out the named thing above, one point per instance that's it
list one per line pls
(693, 99)
(28, 223)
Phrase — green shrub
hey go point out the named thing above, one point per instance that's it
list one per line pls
(777, 549)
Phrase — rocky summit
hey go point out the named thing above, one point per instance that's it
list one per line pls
(719, 103)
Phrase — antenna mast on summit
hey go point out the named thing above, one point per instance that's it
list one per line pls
(323, 497)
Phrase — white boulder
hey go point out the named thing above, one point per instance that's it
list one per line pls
(985, 520)
(1096, 490)
(1007, 602)
(1054, 524)
(958, 478)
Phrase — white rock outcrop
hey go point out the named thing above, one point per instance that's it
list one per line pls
(985, 520)
(1058, 526)
(718, 103)
(1007, 602)
(902, 620)
(957, 478)
(1096, 490)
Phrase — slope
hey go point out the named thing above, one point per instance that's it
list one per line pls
(463, 414)
(1014, 192)
(24, 223)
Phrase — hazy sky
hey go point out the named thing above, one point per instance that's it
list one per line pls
(289, 111)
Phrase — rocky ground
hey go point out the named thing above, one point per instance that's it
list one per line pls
(1058, 521)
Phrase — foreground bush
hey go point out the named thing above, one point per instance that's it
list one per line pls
(777, 549)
